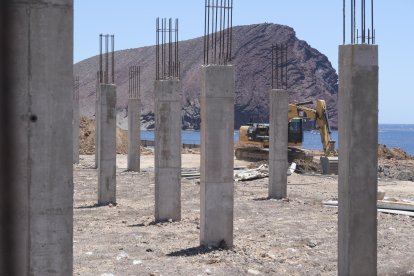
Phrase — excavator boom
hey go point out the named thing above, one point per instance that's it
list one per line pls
(320, 115)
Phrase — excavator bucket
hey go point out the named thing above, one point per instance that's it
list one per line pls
(329, 164)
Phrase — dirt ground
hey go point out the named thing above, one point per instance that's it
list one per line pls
(297, 236)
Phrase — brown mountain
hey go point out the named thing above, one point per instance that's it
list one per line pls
(310, 75)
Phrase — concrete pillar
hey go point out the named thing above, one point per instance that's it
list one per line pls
(278, 143)
(107, 144)
(217, 156)
(134, 138)
(358, 160)
(76, 123)
(40, 114)
(97, 116)
(167, 150)
(8, 260)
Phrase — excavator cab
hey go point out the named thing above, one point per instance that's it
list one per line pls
(295, 133)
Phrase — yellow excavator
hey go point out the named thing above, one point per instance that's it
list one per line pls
(254, 137)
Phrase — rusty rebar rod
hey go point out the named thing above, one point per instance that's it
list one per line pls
(279, 54)
(107, 42)
(167, 54)
(218, 16)
(364, 33)
(134, 82)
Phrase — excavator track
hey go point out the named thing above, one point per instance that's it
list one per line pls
(252, 154)
(255, 154)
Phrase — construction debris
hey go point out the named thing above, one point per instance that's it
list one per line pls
(261, 172)
(387, 205)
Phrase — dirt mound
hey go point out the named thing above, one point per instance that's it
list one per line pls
(121, 141)
(392, 153)
(87, 138)
(307, 166)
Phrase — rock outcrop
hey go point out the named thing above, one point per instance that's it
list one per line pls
(310, 76)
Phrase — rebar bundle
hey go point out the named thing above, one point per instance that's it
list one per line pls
(106, 64)
(134, 90)
(218, 32)
(76, 88)
(361, 35)
(167, 65)
(279, 66)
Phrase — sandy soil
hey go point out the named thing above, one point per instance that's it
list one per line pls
(297, 236)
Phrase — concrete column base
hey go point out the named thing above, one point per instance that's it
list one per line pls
(358, 159)
(217, 156)
(167, 150)
(107, 145)
(134, 139)
(278, 143)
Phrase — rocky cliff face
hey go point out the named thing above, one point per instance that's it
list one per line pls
(310, 76)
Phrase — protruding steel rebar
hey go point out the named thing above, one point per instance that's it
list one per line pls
(372, 22)
(76, 88)
(218, 17)
(167, 63)
(362, 34)
(134, 82)
(113, 58)
(100, 75)
(107, 41)
(98, 81)
(106, 58)
(279, 66)
(343, 22)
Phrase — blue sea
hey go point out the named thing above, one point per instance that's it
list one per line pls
(399, 136)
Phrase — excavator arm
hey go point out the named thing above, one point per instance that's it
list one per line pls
(320, 115)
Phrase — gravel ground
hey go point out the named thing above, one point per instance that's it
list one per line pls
(297, 236)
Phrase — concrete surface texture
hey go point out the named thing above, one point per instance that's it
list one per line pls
(358, 140)
(107, 144)
(217, 156)
(134, 138)
(41, 59)
(76, 122)
(97, 116)
(7, 229)
(167, 150)
(278, 143)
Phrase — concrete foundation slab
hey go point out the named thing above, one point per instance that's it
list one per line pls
(40, 112)
(278, 143)
(217, 156)
(167, 150)
(107, 145)
(358, 142)
(134, 138)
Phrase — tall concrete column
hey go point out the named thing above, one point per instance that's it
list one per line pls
(76, 122)
(40, 112)
(107, 144)
(278, 143)
(8, 258)
(358, 160)
(97, 116)
(134, 138)
(217, 155)
(167, 150)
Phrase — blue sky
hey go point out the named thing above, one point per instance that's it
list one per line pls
(319, 22)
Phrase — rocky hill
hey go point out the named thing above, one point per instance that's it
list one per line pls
(310, 76)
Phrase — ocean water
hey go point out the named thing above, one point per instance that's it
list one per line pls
(401, 136)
